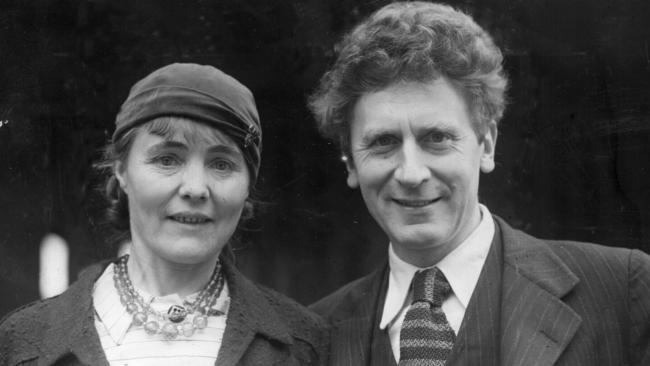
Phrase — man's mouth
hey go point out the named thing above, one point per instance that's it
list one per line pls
(414, 203)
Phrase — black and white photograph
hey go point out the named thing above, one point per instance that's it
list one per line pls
(345, 183)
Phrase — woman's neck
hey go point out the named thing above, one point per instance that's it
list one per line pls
(159, 277)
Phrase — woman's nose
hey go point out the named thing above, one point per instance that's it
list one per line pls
(412, 169)
(194, 184)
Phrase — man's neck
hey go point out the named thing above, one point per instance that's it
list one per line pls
(424, 256)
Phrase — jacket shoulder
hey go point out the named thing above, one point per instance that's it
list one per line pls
(581, 257)
(627, 269)
(38, 328)
(21, 332)
(598, 257)
(303, 323)
(346, 299)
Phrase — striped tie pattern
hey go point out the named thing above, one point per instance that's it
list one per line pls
(426, 337)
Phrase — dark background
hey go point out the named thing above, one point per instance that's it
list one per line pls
(572, 151)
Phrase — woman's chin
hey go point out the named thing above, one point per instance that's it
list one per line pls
(189, 254)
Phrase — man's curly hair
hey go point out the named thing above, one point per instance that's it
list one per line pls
(411, 42)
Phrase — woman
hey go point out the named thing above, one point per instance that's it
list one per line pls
(184, 155)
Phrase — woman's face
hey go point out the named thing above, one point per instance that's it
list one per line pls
(186, 184)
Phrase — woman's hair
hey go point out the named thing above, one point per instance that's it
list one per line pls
(411, 42)
(117, 212)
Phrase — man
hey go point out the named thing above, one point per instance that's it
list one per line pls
(414, 99)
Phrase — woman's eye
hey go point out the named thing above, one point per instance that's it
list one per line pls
(222, 165)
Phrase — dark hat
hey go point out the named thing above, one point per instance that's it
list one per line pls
(200, 93)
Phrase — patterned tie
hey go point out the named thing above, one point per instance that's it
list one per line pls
(426, 337)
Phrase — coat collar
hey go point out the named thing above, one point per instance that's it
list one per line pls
(355, 317)
(536, 324)
(250, 314)
(533, 259)
(477, 341)
(69, 321)
(357, 299)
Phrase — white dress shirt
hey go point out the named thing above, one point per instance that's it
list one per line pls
(462, 268)
(124, 344)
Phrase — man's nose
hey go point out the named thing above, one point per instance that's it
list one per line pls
(412, 169)
(194, 182)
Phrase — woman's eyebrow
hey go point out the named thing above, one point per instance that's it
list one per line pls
(223, 149)
(167, 144)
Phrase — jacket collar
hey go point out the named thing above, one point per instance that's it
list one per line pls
(71, 319)
(533, 259)
(477, 341)
(354, 318)
(250, 314)
(536, 324)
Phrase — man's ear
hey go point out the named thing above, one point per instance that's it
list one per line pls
(489, 147)
(119, 168)
(353, 178)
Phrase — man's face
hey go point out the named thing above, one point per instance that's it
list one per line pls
(417, 160)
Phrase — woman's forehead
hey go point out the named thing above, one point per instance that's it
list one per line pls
(188, 132)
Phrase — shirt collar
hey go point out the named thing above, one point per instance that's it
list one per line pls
(113, 315)
(462, 268)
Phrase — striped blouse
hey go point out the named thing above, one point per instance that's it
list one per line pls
(129, 345)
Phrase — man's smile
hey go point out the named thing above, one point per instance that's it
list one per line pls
(414, 203)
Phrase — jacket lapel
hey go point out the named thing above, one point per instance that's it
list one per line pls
(381, 353)
(249, 314)
(536, 324)
(477, 342)
(71, 324)
(351, 333)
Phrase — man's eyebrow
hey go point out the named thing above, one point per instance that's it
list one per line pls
(437, 127)
(372, 133)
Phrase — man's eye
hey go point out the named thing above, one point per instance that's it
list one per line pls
(438, 138)
(383, 141)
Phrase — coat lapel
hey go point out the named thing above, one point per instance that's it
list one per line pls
(477, 342)
(69, 322)
(351, 333)
(536, 324)
(381, 353)
(249, 314)
(71, 325)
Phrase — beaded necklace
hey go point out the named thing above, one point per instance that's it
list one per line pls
(176, 320)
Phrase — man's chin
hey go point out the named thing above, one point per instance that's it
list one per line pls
(419, 238)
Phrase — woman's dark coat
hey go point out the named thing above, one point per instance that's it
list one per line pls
(263, 328)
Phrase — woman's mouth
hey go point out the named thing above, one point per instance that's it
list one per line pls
(190, 218)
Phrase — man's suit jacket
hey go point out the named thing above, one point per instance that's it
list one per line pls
(537, 302)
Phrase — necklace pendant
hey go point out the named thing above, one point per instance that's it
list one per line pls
(176, 313)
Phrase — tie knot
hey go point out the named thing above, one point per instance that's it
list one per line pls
(430, 285)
